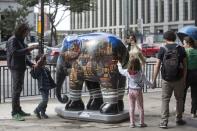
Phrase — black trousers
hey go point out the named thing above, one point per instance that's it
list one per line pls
(18, 82)
(192, 83)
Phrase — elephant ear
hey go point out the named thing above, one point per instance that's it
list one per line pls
(71, 55)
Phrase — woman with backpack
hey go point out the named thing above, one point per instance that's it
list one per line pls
(191, 81)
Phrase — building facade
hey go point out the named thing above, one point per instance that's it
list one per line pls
(145, 16)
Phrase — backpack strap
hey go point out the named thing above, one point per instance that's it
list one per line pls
(166, 49)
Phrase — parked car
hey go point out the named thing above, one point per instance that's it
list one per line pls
(150, 50)
(3, 50)
(52, 53)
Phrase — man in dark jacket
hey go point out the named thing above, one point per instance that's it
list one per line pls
(17, 60)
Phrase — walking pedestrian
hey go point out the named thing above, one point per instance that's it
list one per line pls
(45, 83)
(191, 80)
(136, 81)
(17, 60)
(172, 59)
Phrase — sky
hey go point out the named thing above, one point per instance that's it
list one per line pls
(65, 23)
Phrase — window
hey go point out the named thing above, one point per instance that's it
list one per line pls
(78, 21)
(136, 11)
(177, 10)
(185, 10)
(114, 11)
(170, 11)
(131, 12)
(156, 10)
(101, 13)
(105, 14)
(93, 18)
(143, 10)
(148, 6)
(96, 21)
(73, 20)
(120, 8)
(88, 19)
(110, 13)
(193, 9)
(162, 11)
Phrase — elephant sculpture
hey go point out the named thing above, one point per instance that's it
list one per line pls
(92, 58)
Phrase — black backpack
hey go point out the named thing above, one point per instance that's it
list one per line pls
(171, 69)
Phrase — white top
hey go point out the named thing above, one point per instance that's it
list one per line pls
(135, 81)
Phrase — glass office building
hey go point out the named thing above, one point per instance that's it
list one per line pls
(145, 16)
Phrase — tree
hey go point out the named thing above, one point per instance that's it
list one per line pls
(11, 17)
(56, 5)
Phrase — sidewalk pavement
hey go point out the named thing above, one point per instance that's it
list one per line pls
(152, 107)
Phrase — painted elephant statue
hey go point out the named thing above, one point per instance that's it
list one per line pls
(92, 58)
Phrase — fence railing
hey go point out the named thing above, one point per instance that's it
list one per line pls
(30, 85)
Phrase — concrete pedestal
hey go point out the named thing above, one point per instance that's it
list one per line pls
(88, 115)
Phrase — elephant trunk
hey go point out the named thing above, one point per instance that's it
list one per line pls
(60, 77)
(61, 99)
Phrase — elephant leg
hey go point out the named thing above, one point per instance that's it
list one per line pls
(110, 94)
(60, 77)
(75, 102)
(96, 99)
(121, 91)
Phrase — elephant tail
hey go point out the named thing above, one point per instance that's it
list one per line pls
(61, 99)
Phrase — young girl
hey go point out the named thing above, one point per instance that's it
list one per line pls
(136, 81)
(45, 83)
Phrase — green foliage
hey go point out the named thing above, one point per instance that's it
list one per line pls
(11, 17)
(81, 5)
(28, 3)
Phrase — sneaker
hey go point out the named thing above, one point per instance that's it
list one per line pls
(22, 113)
(163, 124)
(37, 113)
(132, 125)
(142, 125)
(44, 116)
(18, 117)
(180, 122)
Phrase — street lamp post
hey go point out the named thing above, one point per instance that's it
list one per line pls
(41, 50)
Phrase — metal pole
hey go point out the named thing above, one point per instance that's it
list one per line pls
(41, 50)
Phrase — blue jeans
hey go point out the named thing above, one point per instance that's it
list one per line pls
(43, 104)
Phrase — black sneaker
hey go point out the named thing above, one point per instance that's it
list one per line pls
(180, 122)
(44, 116)
(37, 113)
(163, 125)
(22, 113)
